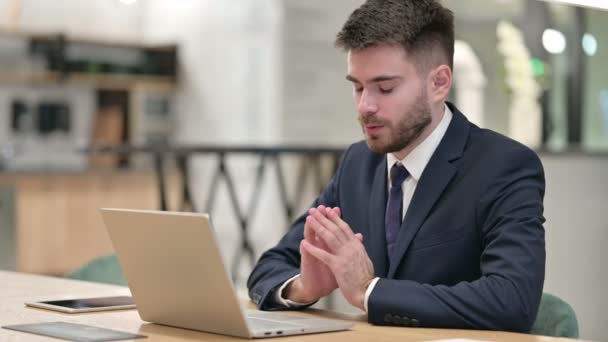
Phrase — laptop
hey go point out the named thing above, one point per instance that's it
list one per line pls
(177, 277)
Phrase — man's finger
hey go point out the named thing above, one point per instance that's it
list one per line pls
(323, 234)
(345, 231)
(303, 250)
(321, 217)
(359, 237)
(308, 231)
(318, 253)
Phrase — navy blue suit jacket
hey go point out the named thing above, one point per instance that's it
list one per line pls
(471, 250)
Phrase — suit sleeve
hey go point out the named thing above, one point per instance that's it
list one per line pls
(512, 263)
(282, 262)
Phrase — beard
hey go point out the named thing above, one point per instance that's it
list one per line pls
(400, 135)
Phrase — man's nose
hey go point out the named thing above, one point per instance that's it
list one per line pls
(367, 104)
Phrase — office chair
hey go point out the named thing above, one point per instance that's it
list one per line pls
(105, 269)
(555, 318)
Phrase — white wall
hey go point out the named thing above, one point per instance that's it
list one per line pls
(230, 66)
(577, 236)
(318, 103)
(101, 19)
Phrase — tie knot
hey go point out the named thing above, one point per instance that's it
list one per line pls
(398, 174)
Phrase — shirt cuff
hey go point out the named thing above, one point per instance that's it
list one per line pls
(369, 290)
(278, 295)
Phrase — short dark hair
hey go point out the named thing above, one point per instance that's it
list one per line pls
(419, 26)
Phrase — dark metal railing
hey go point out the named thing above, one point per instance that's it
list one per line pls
(310, 163)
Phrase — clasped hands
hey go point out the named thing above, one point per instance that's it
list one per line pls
(332, 257)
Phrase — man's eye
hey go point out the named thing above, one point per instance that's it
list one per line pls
(358, 90)
(386, 90)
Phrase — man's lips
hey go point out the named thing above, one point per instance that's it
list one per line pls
(373, 128)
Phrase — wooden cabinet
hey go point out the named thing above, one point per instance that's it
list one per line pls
(58, 225)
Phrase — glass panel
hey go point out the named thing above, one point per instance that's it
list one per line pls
(595, 114)
(561, 21)
(556, 68)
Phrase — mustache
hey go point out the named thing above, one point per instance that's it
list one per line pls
(371, 120)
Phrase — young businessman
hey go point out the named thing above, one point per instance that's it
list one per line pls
(431, 221)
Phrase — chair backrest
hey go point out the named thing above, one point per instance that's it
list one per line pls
(555, 318)
(104, 269)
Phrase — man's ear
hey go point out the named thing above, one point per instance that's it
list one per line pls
(440, 83)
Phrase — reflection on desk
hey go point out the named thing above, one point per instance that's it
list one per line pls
(18, 288)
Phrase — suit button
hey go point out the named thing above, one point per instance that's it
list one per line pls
(388, 318)
(406, 322)
(397, 320)
(415, 323)
(256, 298)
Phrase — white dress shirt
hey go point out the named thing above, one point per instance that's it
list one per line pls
(415, 163)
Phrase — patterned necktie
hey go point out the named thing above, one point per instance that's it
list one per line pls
(394, 206)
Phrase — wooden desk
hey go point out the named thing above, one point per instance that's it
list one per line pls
(17, 288)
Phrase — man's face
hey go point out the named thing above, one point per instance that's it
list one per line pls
(390, 96)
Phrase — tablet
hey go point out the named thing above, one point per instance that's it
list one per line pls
(77, 305)
(73, 332)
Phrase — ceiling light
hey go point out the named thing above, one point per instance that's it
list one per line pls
(554, 41)
(603, 4)
(589, 44)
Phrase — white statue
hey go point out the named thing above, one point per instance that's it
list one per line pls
(469, 82)
(525, 113)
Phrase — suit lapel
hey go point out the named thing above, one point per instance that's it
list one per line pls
(435, 178)
(376, 240)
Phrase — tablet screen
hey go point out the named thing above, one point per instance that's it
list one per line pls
(90, 303)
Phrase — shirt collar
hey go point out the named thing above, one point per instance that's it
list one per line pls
(416, 161)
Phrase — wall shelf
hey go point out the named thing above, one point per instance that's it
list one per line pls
(107, 92)
(125, 82)
(99, 63)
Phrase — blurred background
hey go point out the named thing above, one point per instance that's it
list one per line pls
(241, 109)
